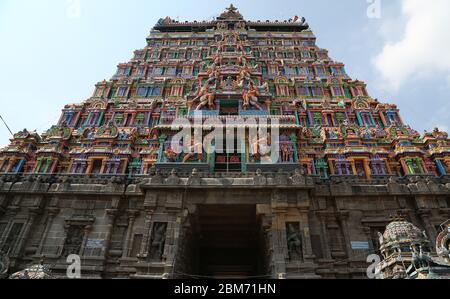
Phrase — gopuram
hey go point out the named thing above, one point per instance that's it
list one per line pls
(106, 182)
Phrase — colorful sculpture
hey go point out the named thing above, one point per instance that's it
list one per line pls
(231, 68)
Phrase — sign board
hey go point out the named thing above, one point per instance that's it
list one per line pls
(95, 243)
(356, 245)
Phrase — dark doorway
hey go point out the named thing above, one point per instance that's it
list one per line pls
(229, 242)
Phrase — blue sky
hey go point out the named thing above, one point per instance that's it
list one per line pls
(54, 51)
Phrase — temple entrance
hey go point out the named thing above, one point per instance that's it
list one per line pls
(229, 243)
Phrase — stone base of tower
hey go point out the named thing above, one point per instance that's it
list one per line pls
(265, 225)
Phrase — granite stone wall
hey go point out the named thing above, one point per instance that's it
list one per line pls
(144, 227)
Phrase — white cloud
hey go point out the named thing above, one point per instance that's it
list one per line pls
(424, 48)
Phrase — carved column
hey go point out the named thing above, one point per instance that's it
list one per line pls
(11, 164)
(53, 167)
(147, 233)
(7, 228)
(102, 169)
(324, 236)
(431, 231)
(307, 246)
(353, 167)
(2, 164)
(90, 164)
(367, 169)
(404, 166)
(51, 215)
(24, 235)
(388, 167)
(111, 215)
(279, 246)
(332, 169)
(342, 217)
(126, 244)
(172, 243)
(87, 230)
(368, 233)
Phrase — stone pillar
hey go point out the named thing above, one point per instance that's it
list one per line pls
(53, 168)
(11, 164)
(388, 167)
(73, 167)
(147, 233)
(102, 169)
(111, 215)
(279, 247)
(90, 165)
(342, 218)
(405, 167)
(339, 168)
(353, 166)
(51, 215)
(172, 244)
(367, 169)
(83, 167)
(422, 165)
(133, 118)
(87, 230)
(48, 162)
(10, 214)
(25, 232)
(447, 162)
(430, 230)
(2, 161)
(76, 118)
(332, 170)
(308, 254)
(126, 244)
(383, 119)
(324, 236)
(368, 233)
(108, 168)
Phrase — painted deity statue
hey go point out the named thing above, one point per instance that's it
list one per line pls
(286, 155)
(250, 96)
(218, 59)
(170, 155)
(195, 148)
(242, 60)
(206, 94)
(261, 147)
(206, 97)
(240, 47)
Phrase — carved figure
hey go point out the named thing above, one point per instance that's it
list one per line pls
(250, 97)
(170, 155)
(158, 240)
(195, 148)
(295, 244)
(206, 97)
